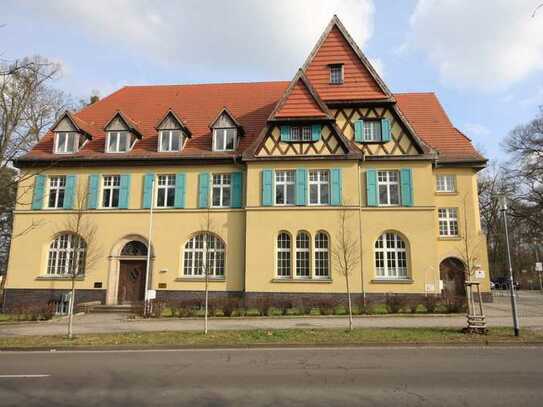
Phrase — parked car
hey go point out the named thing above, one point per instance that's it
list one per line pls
(502, 283)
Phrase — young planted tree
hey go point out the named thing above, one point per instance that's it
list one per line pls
(346, 254)
(207, 261)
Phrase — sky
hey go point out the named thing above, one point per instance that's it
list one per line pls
(484, 58)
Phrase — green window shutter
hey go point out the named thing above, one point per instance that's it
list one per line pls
(39, 191)
(203, 190)
(92, 197)
(267, 187)
(406, 180)
(285, 133)
(316, 132)
(124, 191)
(336, 187)
(148, 180)
(179, 201)
(385, 129)
(372, 196)
(69, 192)
(301, 186)
(359, 131)
(236, 190)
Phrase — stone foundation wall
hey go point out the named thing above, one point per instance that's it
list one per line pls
(15, 298)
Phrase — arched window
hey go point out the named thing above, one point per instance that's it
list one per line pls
(283, 255)
(204, 252)
(390, 257)
(67, 255)
(302, 254)
(322, 255)
(134, 248)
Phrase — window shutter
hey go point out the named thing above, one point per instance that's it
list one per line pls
(236, 190)
(124, 191)
(92, 197)
(69, 192)
(203, 190)
(406, 181)
(371, 188)
(179, 201)
(316, 132)
(285, 133)
(301, 186)
(148, 190)
(335, 196)
(267, 187)
(385, 129)
(39, 191)
(359, 131)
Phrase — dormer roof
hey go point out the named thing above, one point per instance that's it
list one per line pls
(225, 112)
(130, 124)
(79, 125)
(171, 114)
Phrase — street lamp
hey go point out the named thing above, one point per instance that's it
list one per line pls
(503, 209)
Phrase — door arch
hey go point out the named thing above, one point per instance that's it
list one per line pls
(452, 272)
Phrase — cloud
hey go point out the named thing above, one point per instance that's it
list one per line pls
(378, 65)
(476, 130)
(487, 45)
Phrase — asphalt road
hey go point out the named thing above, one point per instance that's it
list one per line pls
(411, 376)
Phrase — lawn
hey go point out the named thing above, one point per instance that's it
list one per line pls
(324, 337)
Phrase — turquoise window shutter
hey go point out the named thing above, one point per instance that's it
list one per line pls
(69, 192)
(267, 187)
(148, 190)
(385, 129)
(179, 201)
(371, 188)
(316, 132)
(203, 190)
(285, 133)
(39, 191)
(406, 180)
(92, 196)
(124, 191)
(359, 131)
(335, 195)
(301, 186)
(236, 190)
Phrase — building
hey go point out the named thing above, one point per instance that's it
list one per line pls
(269, 168)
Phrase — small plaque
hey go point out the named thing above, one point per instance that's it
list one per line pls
(162, 285)
(479, 274)
(151, 294)
(97, 284)
(539, 266)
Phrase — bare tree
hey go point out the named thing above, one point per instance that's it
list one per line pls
(207, 262)
(346, 255)
(470, 244)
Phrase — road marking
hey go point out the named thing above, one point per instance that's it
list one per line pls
(23, 376)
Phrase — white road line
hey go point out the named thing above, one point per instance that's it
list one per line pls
(23, 376)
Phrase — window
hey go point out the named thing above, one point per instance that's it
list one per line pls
(165, 194)
(446, 183)
(66, 142)
(66, 255)
(390, 257)
(389, 188)
(448, 221)
(57, 187)
(224, 139)
(284, 187)
(322, 255)
(221, 190)
(319, 185)
(170, 140)
(300, 133)
(134, 248)
(118, 141)
(204, 252)
(336, 74)
(372, 130)
(110, 191)
(302, 255)
(283, 255)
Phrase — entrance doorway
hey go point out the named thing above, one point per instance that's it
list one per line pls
(132, 273)
(452, 273)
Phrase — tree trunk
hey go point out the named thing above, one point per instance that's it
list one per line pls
(71, 310)
(350, 302)
(206, 305)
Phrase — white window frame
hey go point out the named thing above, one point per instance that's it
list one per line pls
(279, 249)
(334, 80)
(372, 131)
(111, 183)
(165, 182)
(56, 184)
(194, 251)
(284, 179)
(302, 255)
(223, 132)
(320, 185)
(318, 249)
(446, 183)
(117, 134)
(221, 182)
(300, 133)
(448, 222)
(171, 134)
(388, 260)
(64, 149)
(61, 253)
(388, 183)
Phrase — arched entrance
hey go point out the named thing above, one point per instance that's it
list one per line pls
(452, 273)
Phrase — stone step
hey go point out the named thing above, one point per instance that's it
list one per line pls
(121, 308)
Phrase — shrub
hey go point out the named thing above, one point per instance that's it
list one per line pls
(413, 305)
(326, 305)
(453, 303)
(34, 312)
(430, 302)
(366, 307)
(229, 305)
(157, 308)
(274, 311)
(341, 310)
(395, 302)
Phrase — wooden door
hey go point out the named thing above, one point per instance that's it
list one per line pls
(452, 274)
(131, 281)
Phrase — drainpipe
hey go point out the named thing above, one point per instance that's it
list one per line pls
(359, 169)
(147, 305)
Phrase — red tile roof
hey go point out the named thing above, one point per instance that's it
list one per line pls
(300, 103)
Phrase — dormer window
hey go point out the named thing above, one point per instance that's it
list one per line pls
(66, 142)
(170, 140)
(300, 133)
(224, 139)
(336, 74)
(118, 141)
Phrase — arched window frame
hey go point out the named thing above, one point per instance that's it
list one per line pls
(303, 255)
(321, 267)
(283, 247)
(210, 245)
(63, 250)
(391, 256)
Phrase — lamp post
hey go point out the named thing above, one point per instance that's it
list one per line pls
(503, 209)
